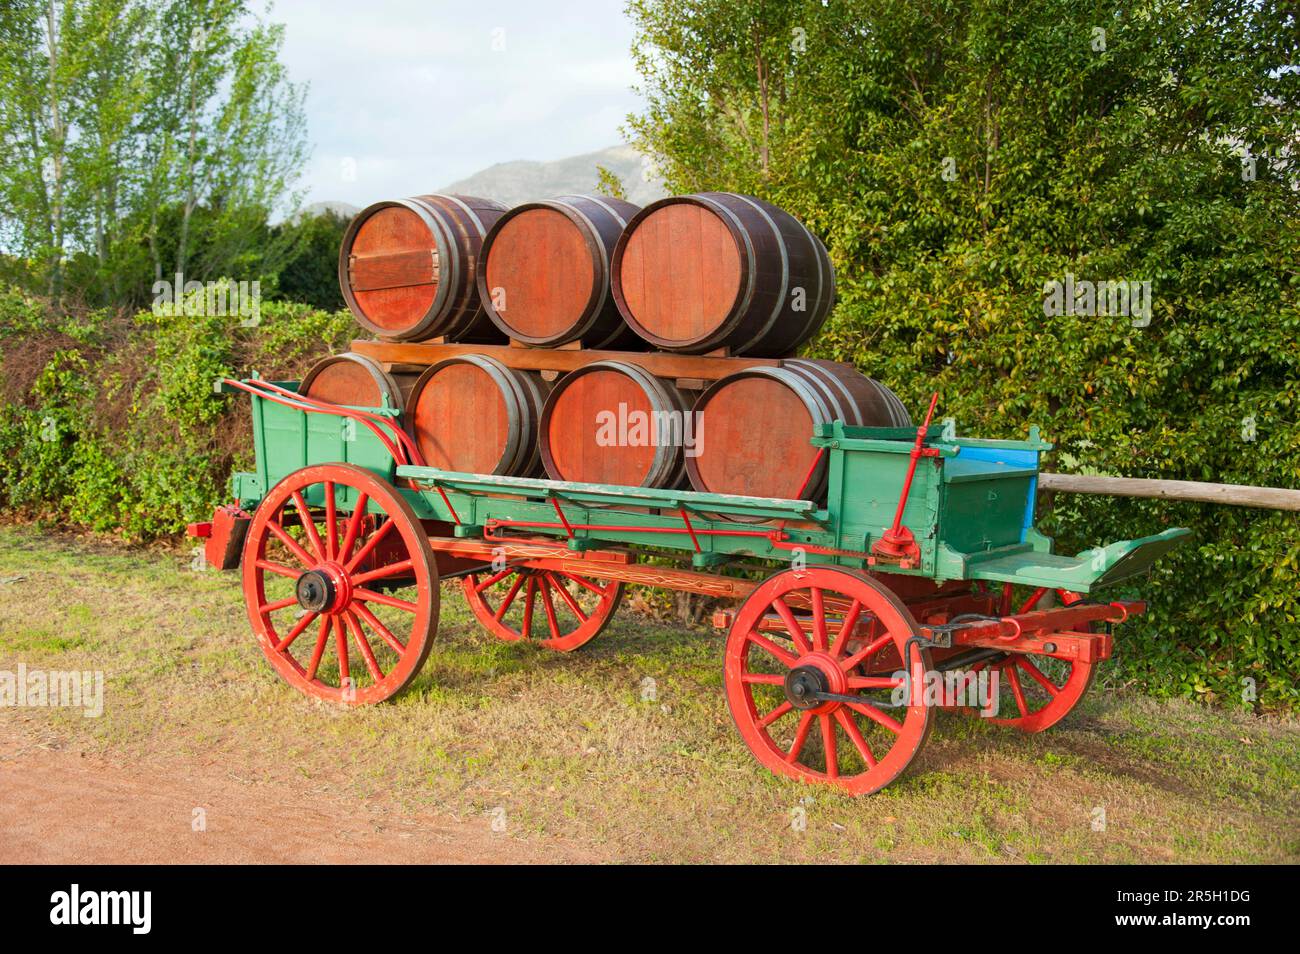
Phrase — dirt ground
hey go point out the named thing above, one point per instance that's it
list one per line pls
(67, 807)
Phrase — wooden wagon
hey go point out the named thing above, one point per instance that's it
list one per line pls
(919, 582)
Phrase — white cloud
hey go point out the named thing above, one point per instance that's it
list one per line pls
(415, 95)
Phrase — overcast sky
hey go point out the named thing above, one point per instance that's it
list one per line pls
(409, 95)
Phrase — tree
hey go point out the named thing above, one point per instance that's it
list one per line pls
(147, 138)
(962, 159)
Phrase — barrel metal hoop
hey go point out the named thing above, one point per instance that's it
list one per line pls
(779, 306)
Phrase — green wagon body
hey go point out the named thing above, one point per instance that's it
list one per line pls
(969, 507)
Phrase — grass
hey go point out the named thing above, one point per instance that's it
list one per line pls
(567, 747)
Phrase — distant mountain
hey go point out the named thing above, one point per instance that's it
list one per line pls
(526, 181)
(344, 210)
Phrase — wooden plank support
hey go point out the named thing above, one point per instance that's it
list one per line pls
(1234, 495)
(659, 363)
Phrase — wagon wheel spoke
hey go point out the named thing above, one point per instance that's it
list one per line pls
(1038, 676)
(849, 624)
(575, 609)
(876, 645)
(363, 645)
(384, 572)
(509, 598)
(775, 714)
(875, 715)
(567, 597)
(379, 628)
(331, 522)
(326, 624)
(341, 647)
(1017, 691)
(818, 623)
(855, 736)
(309, 527)
(828, 744)
(383, 599)
(279, 604)
(875, 682)
(294, 633)
(762, 679)
(528, 607)
(792, 625)
(800, 737)
(279, 569)
(549, 607)
(584, 582)
(494, 579)
(786, 659)
(353, 528)
(290, 543)
(368, 547)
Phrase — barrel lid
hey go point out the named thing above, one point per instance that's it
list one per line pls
(351, 379)
(757, 431)
(391, 268)
(679, 271)
(594, 427)
(540, 272)
(460, 419)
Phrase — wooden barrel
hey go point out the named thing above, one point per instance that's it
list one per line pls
(474, 415)
(610, 422)
(756, 426)
(696, 273)
(356, 381)
(407, 266)
(543, 275)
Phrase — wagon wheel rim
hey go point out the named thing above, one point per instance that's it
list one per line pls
(340, 584)
(857, 747)
(1036, 691)
(556, 609)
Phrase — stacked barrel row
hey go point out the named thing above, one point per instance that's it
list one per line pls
(708, 273)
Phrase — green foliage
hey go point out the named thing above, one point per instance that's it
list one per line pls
(310, 271)
(119, 429)
(958, 157)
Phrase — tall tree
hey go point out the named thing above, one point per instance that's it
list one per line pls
(167, 130)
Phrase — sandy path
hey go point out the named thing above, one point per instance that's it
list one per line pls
(62, 807)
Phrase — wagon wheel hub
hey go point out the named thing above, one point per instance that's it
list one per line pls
(814, 682)
(804, 687)
(315, 591)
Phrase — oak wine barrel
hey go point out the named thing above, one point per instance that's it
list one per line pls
(356, 381)
(757, 423)
(472, 414)
(612, 422)
(407, 267)
(543, 274)
(696, 273)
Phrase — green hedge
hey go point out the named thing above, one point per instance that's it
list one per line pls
(110, 421)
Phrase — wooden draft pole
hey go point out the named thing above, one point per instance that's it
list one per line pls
(1234, 495)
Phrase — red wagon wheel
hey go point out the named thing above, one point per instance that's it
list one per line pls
(340, 584)
(781, 663)
(558, 609)
(1035, 691)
